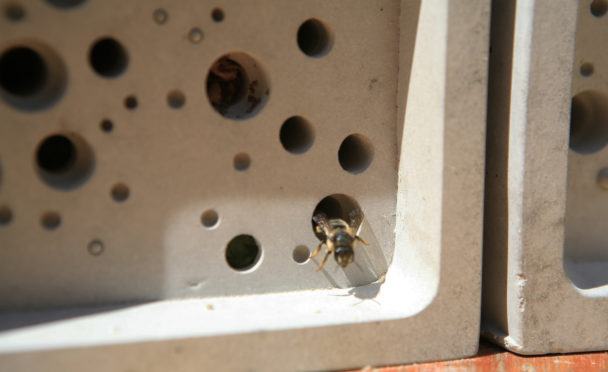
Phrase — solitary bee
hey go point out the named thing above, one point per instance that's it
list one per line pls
(338, 236)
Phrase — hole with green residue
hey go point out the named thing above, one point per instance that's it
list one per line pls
(243, 252)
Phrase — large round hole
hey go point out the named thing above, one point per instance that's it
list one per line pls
(65, 4)
(589, 122)
(243, 252)
(64, 160)
(598, 7)
(296, 135)
(32, 76)
(356, 153)
(108, 57)
(338, 206)
(237, 86)
(314, 38)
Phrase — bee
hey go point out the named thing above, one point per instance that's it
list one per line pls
(338, 236)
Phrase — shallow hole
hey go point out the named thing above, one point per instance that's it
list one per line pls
(108, 57)
(599, 7)
(14, 12)
(589, 122)
(210, 218)
(243, 252)
(50, 220)
(237, 86)
(217, 15)
(64, 160)
(356, 153)
(23, 71)
(195, 35)
(6, 215)
(106, 126)
(241, 161)
(587, 69)
(95, 247)
(160, 16)
(314, 38)
(296, 135)
(301, 254)
(176, 99)
(120, 192)
(66, 4)
(131, 103)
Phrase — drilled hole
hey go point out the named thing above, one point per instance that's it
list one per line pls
(120, 192)
(50, 220)
(589, 122)
(6, 215)
(243, 252)
(66, 4)
(131, 103)
(160, 16)
(95, 247)
(64, 160)
(237, 87)
(356, 153)
(599, 7)
(56, 154)
(108, 57)
(241, 161)
(301, 254)
(217, 15)
(106, 126)
(296, 135)
(195, 35)
(176, 99)
(210, 218)
(23, 71)
(314, 38)
(14, 12)
(587, 69)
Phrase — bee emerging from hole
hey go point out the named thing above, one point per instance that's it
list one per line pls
(338, 236)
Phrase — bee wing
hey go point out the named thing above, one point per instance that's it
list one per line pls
(355, 218)
(321, 220)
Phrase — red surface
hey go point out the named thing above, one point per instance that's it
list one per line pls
(491, 358)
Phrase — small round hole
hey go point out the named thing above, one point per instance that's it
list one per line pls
(14, 12)
(599, 7)
(107, 126)
(50, 220)
(6, 215)
(356, 153)
(160, 16)
(217, 15)
(66, 4)
(23, 71)
(587, 69)
(95, 247)
(176, 99)
(210, 218)
(237, 86)
(243, 252)
(64, 161)
(602, 178)
(301, 254)
(131, 103)
(108, 57)
(241, 161)
(296, 135)
(195, 35)
(314, 38)
(120, 192)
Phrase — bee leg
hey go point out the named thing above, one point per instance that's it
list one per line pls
(316, 250)
(324, 260)
(361, 240)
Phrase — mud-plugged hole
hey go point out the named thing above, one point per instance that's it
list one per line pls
(243, 252)
(32, 75)
(237, 86)
(64, 160)
(589, 122)
(356, 153)
(315, 39)
(338, 206)
(108, 57)
(296, 135)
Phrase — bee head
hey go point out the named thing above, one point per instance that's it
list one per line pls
(344, 256)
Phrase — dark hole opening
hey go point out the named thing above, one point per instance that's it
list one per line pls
(23, 71)
(56, 154)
